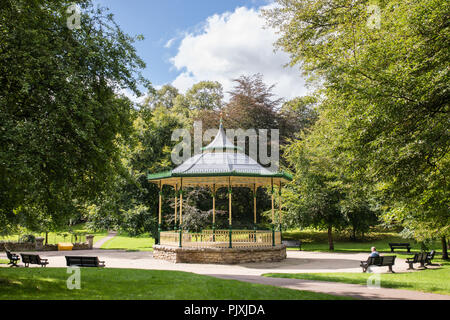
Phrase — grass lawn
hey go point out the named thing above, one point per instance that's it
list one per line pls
(314, 240)
(4, 261)
(56, 237)
(125, 242)
(123, 284)
(432, 280)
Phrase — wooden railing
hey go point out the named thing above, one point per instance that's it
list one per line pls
(170, 238)
(221, 238)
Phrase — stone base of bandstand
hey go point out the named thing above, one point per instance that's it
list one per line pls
(219, 255)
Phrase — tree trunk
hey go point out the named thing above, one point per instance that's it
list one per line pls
(444, 249)
(330, 238)
(46, 238)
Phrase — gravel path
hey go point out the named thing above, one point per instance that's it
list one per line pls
(99, 243)
(339, 289)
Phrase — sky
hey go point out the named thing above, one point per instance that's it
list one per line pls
(187, 41)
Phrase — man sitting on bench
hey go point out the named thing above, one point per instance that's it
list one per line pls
(374, 253)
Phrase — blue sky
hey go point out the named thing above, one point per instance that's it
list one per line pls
(187, 41)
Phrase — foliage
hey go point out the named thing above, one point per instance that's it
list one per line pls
(60, 117)
(384, 94)
(138, 220)
(133, 204)
(27, 238)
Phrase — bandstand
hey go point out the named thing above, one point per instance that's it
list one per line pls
(220, 165)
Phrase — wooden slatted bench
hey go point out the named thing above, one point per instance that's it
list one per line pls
(83, 261)
(421, 258)
(430, 257)
(293, 244)
(385, 261)
(13, 258)
(400, 246)
(28, 259)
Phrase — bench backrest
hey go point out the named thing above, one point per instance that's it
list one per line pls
(291, 242)
(374, 261)
(397, 244)
(416, 257)
(8, 254)
(25, 258)
(31, 258)
(82, 261)
(423, 256)
(388, 260)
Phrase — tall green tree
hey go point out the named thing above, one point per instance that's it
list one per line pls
(388, 67)
(60, 117)
(164, 97)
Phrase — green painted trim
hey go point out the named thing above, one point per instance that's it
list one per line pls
(160, 175)
(273, 235)
(169, 174)
(159, 234)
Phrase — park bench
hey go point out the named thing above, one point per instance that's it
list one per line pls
(28, 259)
(13, 258)
(430, 257)
(293, 244)
(421, 258)
(82, 261)
(399, 246)
(386, 261)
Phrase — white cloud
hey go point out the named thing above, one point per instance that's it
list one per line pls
(233, 44)
(130, 95)
(169, 43)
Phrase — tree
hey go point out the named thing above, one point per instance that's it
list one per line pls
(132, 206)
(391, 84)
(314, 196)
(298, 115)
(252, 104)
(164, 97)
(60, 116)
(205, 95)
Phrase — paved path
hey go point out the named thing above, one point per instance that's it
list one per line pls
(339, 289)
(296, 262)
(99, 243)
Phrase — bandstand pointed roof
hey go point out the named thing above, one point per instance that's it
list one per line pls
(221, 164)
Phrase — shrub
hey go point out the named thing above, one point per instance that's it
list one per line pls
(27, 238)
